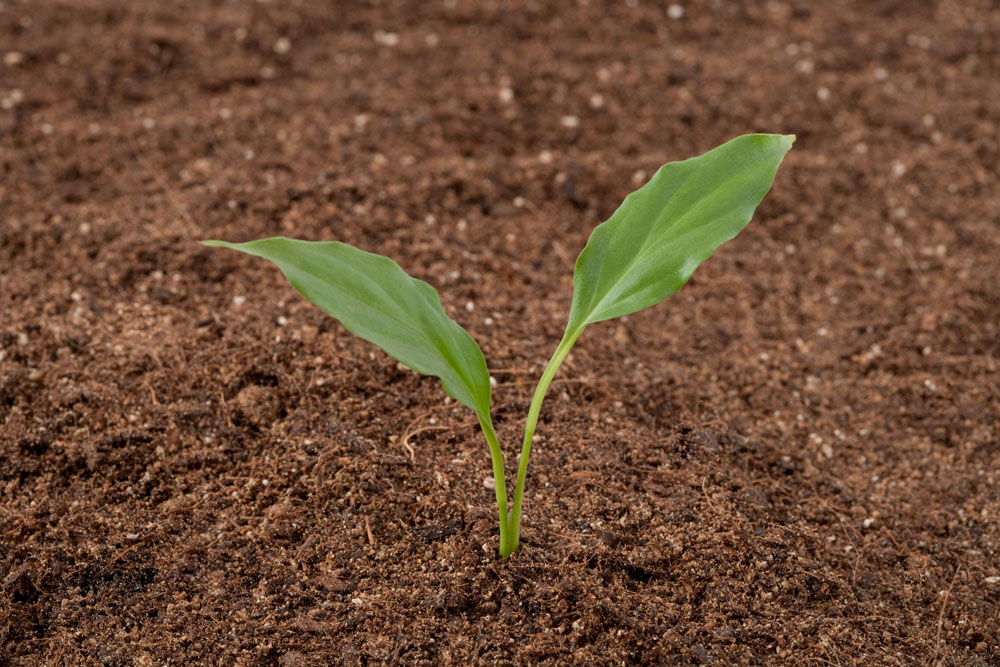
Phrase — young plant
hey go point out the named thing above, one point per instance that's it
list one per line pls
(641, 255)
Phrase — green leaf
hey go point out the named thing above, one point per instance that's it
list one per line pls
(376, 300)
(652, 244)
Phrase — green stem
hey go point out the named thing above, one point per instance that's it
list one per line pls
(498, 478)
(514, 520)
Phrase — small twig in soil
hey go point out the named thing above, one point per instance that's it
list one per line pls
(940, 623)
(368, 530)
(409, 432)
(225, 408)
(124, 552)
(708, 498)
(152, 394)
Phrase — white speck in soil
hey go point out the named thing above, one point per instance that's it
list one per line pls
(384, 38)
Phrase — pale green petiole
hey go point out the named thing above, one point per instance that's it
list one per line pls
(498, 477)
(509, 545)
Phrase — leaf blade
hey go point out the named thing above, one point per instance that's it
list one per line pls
(650, 246)
(376, 300)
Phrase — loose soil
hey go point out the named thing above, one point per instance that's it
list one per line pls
(793, 461)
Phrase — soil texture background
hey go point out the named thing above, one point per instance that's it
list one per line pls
(794, 460)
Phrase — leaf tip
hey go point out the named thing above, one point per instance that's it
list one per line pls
(217, 244)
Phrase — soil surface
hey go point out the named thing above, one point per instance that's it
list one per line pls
(793, 461)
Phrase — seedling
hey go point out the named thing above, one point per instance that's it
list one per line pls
(641, 255)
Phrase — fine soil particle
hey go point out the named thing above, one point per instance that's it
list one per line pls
(793, 461)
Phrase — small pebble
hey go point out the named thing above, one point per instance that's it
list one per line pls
(384, 38)
(675, 11)
(12, 99)
(570, 121)
(283, 45)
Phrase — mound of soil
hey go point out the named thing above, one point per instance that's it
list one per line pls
(793, 461)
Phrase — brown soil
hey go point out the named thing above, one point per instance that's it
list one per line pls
(793, 461)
